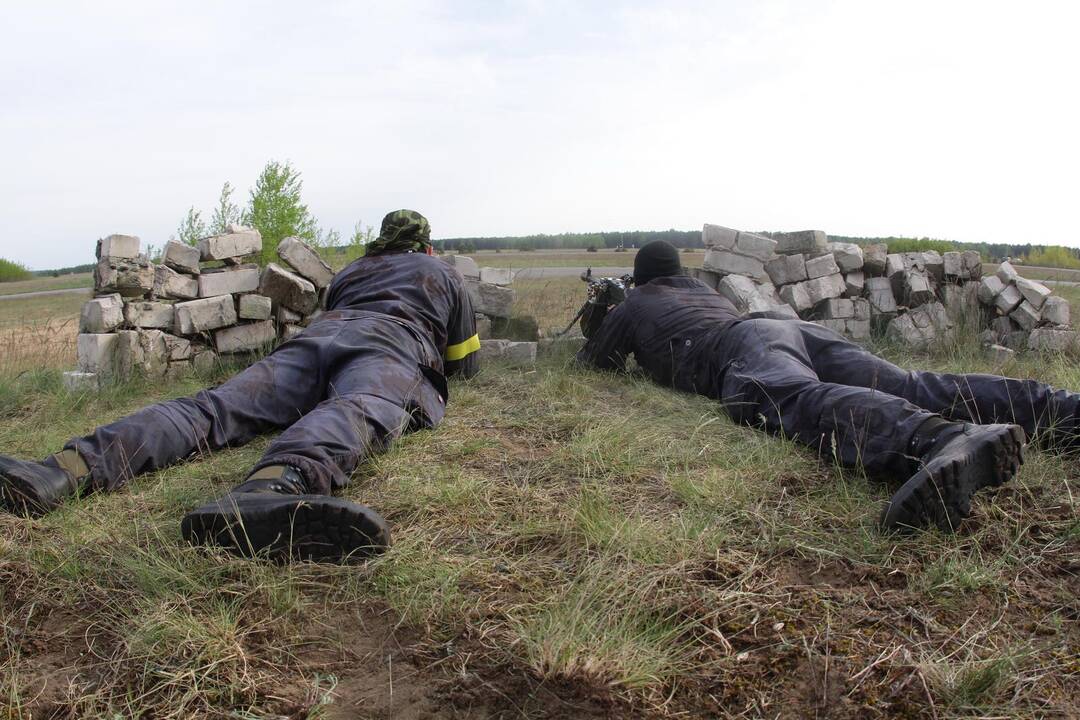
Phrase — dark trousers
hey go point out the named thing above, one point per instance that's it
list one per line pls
(814, 386)
(344, 389)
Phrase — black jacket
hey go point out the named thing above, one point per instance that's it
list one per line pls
(667, 324)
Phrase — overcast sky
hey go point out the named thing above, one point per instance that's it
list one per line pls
(946, 119)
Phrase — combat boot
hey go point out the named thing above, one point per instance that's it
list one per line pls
(277, 518)
(36, 488)
(955, 460)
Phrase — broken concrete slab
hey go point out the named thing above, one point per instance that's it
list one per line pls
(952, 264)
(894, 265)
(972, 263)
(152, 358)
(182, 257)
(491, 300)
(130, 278)
(821, 266)
(855, 282)
(718, 236)
(861, 308)
(710, 278)
(288, 332)
(285, 316)
(173, 285)
(743, 293)
(858, 329)
(496, 276)
(756, 246)
(917, 288)
(177, 348)
(148, 314)
(1006, 273)
(1007, 300)
(1055, 310)
(823, 288)
(727, 262)
(787, 269)
(246, 241)
(848, 256)
(80, 382)
(102, 314)
(1016, 340)
(812, 243)
(874, 259)
(119, 247)
(508, 351)
(835, 309)
(1052, 339)
(796, 297)
(880, 294)
(245, 338)
(1034, 292)
(288, 289)
(1026, 316)
(229, 281)
(464, 265)
(204, 361)
(307, 263)
(989, 288)
(96, 353)
(919, 327)
(254, 307)
(196, 316)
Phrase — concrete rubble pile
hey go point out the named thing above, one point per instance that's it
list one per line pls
(492, 300)
(166, 319)
(913, 297)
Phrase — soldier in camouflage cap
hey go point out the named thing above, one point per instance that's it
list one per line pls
(402, 231)
(398, 322)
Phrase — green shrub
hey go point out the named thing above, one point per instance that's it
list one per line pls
(10, 271)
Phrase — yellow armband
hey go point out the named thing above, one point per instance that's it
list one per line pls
(463, 349)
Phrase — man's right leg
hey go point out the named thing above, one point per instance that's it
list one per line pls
(271, 394)
(770, 383)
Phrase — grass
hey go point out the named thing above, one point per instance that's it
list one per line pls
(38, 284)
(567, 544)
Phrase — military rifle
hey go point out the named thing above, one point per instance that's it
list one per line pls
(604, 291)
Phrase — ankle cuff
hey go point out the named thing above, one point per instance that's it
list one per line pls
(71, 462)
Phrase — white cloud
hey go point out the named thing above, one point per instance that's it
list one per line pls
(952, 119)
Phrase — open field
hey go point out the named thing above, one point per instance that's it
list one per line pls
(567, 545)
(64, 282)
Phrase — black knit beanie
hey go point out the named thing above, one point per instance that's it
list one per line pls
(656, 259)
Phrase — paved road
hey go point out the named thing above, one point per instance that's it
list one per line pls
(37, 293)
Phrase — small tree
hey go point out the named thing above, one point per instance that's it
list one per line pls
(276, 210)
(226, 213)
(192, 228)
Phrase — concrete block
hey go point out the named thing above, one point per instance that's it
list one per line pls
(101, 315)
(288, 289)
(987, 338)
(196, 316)
(483, 326)
(285, 316)
(177, 348)
(152, 359)
(148, 314)
(917, 289)
(989, 288)
(796, 296)
(743, 293)
(508, 351)
(1026, 316)
(130, 278)
(204, 362)
(933, 264)
(1016, 340)
(855, 283)
(894, 264)
(174, 286)
(959, 301)
(254, 307)
(302, 258)
(246, 337)
(121, 247)
(783, 312)
(808, 242)
(858, 329)
(821, 266)
(719, 237)
(874, 259)
(787, 269)
(726, 262)
(710, 278)
(246, 241)
(848, 256)
(972, 263)
(288, 332)
(182, 257)
(1052, 339)
(491, 300)
(768, 291)
(919, 327)
(496, 276)
(860, 308)
(952, 264)
(880, 294)
(80, 382)
(95, 352)
(999, 354)
(1007, 273)
(1007, 300)
(178, 370)
(835, 309)
(839, 326)
(229, 281)
(758, 247)
(1034, 292)
(1055, 310)
(823, 288)
(464, 265)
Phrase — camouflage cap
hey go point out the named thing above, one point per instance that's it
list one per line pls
(402, 231)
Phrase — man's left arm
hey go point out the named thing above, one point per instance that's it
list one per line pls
(609, 344)
(462, 342)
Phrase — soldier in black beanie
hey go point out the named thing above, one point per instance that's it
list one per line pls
(947, 435)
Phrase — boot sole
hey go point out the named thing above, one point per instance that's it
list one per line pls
(318, 528)
(941, 491)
